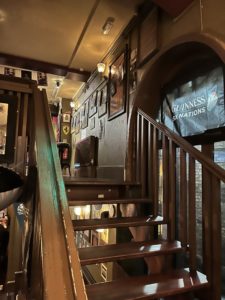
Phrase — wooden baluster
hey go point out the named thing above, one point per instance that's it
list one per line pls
(150, 161)
(207, 196)
(138, 152)
(155, 171)
(172, 188)
(183, 199)
(165, 148)
(143, 156)
(192, 214)
(216, 238)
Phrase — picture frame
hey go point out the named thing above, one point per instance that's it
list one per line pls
(133, 71)
(66, 118)
(93, 104)
(84, 115)
(26, 74)
(9, 72)
(8, 116)
(102, 101)
(117, 90)
(42, 79)
(92, 123)
(77, 123)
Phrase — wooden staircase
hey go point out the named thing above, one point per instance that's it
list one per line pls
(171, 282)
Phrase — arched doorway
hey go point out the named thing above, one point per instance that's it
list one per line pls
(183, 58)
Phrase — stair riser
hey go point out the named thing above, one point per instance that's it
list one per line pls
(89, 193)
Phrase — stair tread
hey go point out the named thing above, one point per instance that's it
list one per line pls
(148, 287)
(87, 224)
(107, 201)
(97, 254)
(96, 181)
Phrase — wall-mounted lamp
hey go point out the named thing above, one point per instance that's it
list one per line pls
(72, 104)
(101, 68)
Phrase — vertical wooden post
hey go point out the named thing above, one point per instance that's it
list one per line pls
(183, 199)
(150, 161)
(144, 162)
(155, 171)
(192, 215)
(138, 149)
(172, 194)
(216, 239)
(207, 195)
(165, 147)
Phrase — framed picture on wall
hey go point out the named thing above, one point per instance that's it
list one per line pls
(9, 71)
(66, 118)
(93, 104)
(84, 117)
(92, 123)
(42, 78)
(77, 123)
(117, 87)
(102, 101)
(133, 71)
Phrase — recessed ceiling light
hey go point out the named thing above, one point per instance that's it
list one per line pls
(108, 25)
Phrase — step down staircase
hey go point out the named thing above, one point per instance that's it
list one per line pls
(155, 286)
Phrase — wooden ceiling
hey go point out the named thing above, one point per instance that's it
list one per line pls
(65, 36)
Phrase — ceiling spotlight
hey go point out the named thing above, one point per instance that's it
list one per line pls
(108, 25)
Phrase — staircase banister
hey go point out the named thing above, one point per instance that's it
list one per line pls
(186, 146)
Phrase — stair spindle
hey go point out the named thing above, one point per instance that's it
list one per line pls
(183, 199)
(192, 214)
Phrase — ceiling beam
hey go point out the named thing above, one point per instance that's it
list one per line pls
(37, 65)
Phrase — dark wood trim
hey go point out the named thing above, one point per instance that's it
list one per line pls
(37, 65)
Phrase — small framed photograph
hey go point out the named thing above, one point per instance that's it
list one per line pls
(117, 87)
(84, 115)
(42, 78)
(102, 101)
(77, 123)
(66, 118)
(26, 75)
(9, 72)
(93, 104)
(92, 123)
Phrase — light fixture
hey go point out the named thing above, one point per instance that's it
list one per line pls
(108, 25)
(72, 104)
(77, 210)
(101, 68)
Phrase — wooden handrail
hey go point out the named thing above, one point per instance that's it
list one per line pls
(196, 154)
(61, 270)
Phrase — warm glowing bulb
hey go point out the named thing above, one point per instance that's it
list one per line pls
(87, 209)
(101, 67)
(72, 104)
(77, 210)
